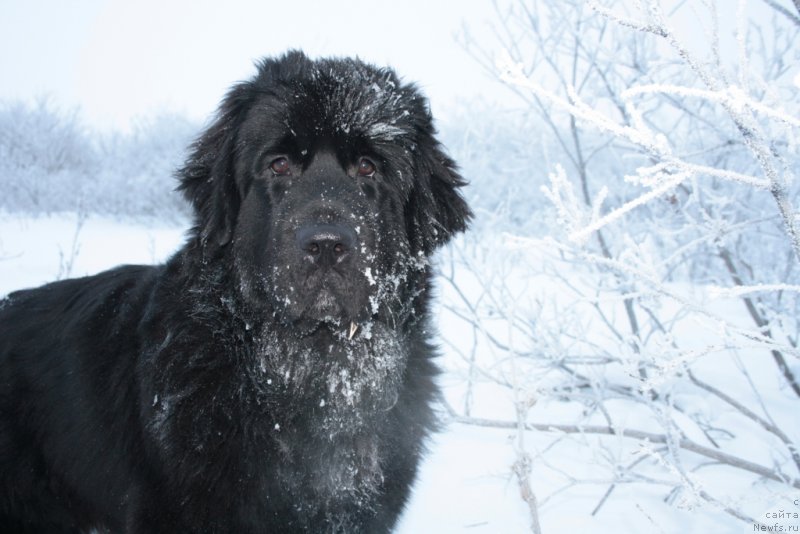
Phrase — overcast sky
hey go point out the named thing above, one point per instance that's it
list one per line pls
(118, 59)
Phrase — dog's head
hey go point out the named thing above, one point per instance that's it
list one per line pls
(326, 183)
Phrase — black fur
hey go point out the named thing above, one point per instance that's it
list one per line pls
(222, 392)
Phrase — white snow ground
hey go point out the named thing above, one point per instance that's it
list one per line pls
(466, 484)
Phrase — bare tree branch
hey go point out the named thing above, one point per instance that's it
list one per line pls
(750, 415)
(762, 324)
(651, 437)
(785, 12)
(522, 469)
(655, 184)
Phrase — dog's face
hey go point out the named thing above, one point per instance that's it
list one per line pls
(325, 180)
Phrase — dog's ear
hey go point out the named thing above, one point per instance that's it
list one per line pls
(208, 178)
(437, 208)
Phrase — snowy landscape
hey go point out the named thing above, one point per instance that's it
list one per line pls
(619, 328)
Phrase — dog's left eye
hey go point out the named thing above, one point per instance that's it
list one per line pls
(280, 166)
(366, 167)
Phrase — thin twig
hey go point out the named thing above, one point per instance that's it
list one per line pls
(785, 12)
(762, 323)
(684, 443)
(522, 469)
(744, 410)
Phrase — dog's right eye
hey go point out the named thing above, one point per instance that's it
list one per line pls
(280, 167)
(365, 168)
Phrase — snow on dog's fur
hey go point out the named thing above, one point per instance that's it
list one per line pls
(276, 374)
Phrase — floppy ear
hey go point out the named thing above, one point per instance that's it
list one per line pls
(208, 179)
(437, 208)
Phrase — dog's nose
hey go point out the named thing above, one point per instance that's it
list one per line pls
(326, 244)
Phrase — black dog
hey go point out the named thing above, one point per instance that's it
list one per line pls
(276, 374)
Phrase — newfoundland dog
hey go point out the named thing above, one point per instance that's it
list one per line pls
(276, 374)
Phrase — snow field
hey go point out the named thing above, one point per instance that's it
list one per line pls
(466, 483)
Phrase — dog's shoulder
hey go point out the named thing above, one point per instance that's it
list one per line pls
(46, 313)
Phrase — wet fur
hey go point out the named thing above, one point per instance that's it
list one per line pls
(219, 392)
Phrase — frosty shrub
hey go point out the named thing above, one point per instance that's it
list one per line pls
(485, 142)
(137, 175)
(647, 330)
(50, 162)
(44, 154)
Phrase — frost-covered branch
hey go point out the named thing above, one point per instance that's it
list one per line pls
(740, 291)
(741, 408)
(522, 468)
(731, 96)
(647, 437)
(762, 324)
(661, 156)
(738, 107)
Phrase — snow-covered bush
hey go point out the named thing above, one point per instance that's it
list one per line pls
(650, 333)
(44, 154)
(137, 175)
(50, 162)
(486, 143)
